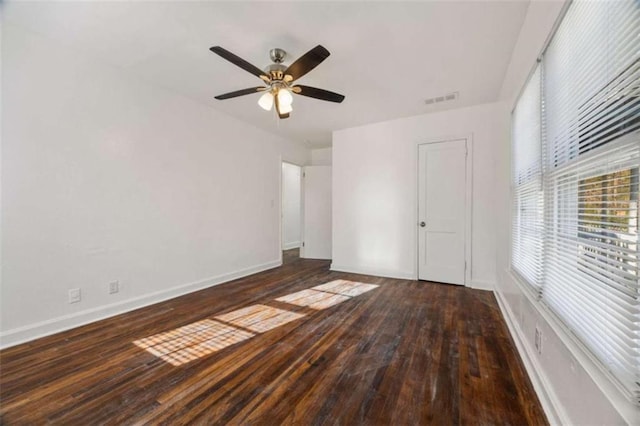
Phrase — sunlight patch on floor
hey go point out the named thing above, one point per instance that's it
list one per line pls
(259, 318)
(313, 299)
(187, 343)
(195, 340)
(326, 295)
(192, 341)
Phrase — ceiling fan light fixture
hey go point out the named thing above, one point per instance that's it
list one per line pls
(266, 101)
(285, 109)
(285, 99)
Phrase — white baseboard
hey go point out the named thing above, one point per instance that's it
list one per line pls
(373, 271)
(475, 284)
(548, 399)
(482, 285)
(289, 246)
(55, 325)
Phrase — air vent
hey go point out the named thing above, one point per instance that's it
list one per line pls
(448, 97)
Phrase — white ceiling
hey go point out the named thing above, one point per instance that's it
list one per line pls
(386, 57)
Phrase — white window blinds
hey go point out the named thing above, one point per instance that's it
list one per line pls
(591, 255)
(527, 184)
(592, 70)
(588, 274)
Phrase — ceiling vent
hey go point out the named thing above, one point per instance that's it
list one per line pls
(444, 98)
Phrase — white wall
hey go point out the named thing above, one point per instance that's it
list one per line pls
(572, 389)
(321, 157)
(105, 177)
(291, 208)
(375, 190)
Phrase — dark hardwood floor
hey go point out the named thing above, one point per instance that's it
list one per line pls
(396, 353)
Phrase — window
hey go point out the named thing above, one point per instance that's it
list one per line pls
(527, 184)
(608, 228)
(618, 102)
(575, 233)
(590, 258)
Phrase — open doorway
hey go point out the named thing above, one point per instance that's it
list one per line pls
(291, 211)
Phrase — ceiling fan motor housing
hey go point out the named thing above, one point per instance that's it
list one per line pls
(275, 71)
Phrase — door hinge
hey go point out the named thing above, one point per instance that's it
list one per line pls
(465, 265)
(304, 174)
(303, 244)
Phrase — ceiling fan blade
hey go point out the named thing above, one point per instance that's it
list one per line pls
(314, 92)
(240, 93)
(236, 60)
(307, 62)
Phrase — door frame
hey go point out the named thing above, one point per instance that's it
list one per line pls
(281, 213)
(468, 202)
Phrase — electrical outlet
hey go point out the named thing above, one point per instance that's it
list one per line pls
(74, 295)
(114, 287)
(538, 340)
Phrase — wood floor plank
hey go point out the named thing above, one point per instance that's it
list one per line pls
(389, 352)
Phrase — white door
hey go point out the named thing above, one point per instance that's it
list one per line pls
(316, 232)
(291, 206)
(441, 211)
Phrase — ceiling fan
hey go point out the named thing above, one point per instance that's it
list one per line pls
(278, 79)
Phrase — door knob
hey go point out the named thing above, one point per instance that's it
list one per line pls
(422, 224)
